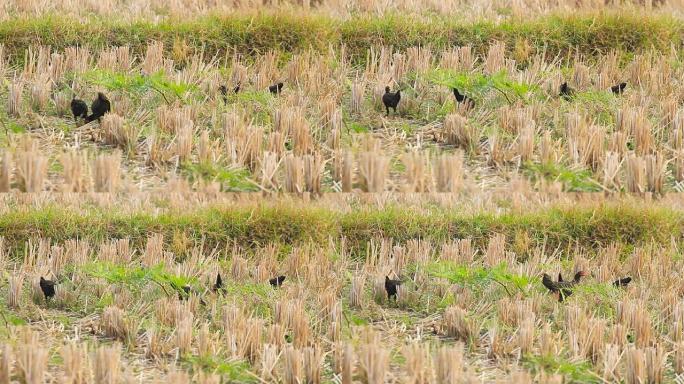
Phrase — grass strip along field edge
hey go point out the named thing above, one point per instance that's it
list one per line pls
(252, 226)
(563, 36)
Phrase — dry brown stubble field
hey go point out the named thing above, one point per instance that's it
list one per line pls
(135, 215)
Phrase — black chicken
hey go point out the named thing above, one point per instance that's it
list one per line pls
(391, 100)
(391, 287)
(275, 88)
(562, 288)
(463, 99)
(618, 88)
(187, 292)
(48, 288)
(218, 285)
(224, 92)
(623, 282)
(277, 281)
(99, 107)
(79, 108)
(566, 92)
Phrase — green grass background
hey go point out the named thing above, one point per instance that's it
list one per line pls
(587, 34)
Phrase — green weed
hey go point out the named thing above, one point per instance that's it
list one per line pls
(234, 370)
(574, 180)
(136, 277)
(480, 276)
(231, 179)
(574, 371)
(138, 83)
(477, 85)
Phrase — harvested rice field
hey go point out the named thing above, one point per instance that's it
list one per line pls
(341, 191)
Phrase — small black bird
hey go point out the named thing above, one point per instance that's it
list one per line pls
(391, 287)
(48, 288)
(218, 285)
(549, 283)
(391, 100)
(622, 282)
(237, 88)
(224, 92)
(187, 291)
(277, 281)
(562, 288)
(275, 88)
(463, 99)
(99, 107)
(618, 88)
(579, 275)
(79, 108)
(566, 92)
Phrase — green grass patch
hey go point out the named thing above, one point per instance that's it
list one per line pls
(138, 83)
(135, 278)
(574, 180)
(573, 371)
(480, 276)
(476, 85)
(250, 225)
(235, 370)
(358, 128)
(586, 34)
(231, 179)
